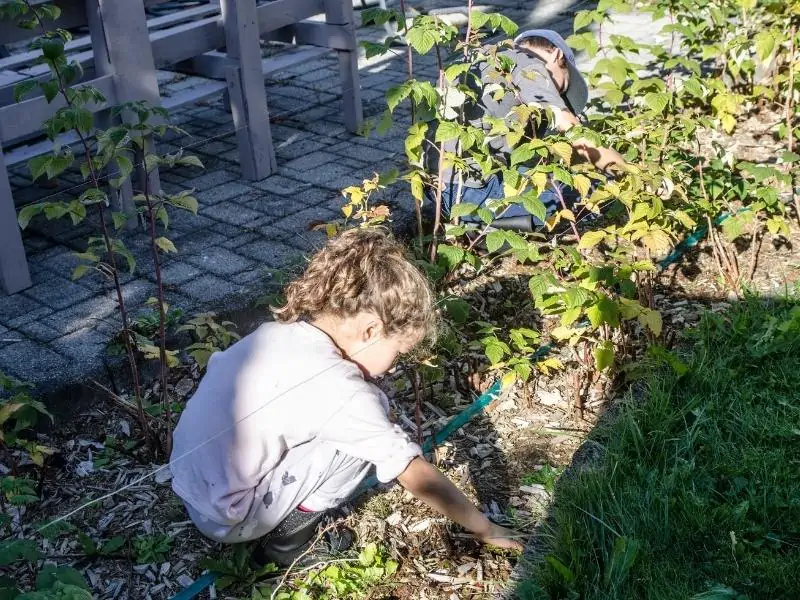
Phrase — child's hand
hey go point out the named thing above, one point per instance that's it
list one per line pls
(503, 538)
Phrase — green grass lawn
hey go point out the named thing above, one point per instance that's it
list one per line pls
(698, 495)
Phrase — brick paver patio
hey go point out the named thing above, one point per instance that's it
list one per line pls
(56, 332)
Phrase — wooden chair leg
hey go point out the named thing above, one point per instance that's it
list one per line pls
(248, 97)
(14, 273)
(340, 12)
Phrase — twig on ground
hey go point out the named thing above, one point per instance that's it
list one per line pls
(282, 582)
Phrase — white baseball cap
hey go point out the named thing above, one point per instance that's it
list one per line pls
(577, 92)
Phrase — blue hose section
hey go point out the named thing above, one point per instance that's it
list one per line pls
(480, 403)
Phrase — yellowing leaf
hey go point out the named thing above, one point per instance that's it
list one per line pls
(166, 245)
(508, 379)
(590, 239)
(651, 319)
(563, 150)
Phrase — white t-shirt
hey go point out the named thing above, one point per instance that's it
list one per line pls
(277, 388)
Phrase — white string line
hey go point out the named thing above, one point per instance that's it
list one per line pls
(146, 476)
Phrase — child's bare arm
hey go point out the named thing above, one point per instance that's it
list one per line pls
(428, 484)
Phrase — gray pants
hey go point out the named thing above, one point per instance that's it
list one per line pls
(314, 475)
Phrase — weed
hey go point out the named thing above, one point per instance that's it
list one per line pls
(546, 476)
(151, 548)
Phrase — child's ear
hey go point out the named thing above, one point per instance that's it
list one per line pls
(373, 330)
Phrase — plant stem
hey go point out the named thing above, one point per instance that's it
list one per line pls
(439, 183)
(790, 120)
(560, 195)
(62, 88)
(410, 67)
(162, 317)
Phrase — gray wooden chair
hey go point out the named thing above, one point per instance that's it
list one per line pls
(122, 69)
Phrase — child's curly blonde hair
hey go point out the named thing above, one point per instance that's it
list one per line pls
(363, 270)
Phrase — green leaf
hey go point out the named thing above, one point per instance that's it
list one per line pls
(494, 352)
(38, 165)
(17, 549)
(495, 240)
(80, 271)
(49, 575)
(184, 201)
(396, 94)
(93, 196)
(603, 355)
(536, 207)
(566, 573)
(112, 545)
(462, 209)
(49, 89)
(651, 319)
(451, 256)
(458, 309)
(764, 45)
(454, 71)
(522, 153)
(58, 164)
(604, 311)
(421, 38)
(576, 296)
(23, 89)
(27, 213)
(657, 101)
(119, 219)
(538, 285)
(190, 161)
(165, 245)
(446, 131)
(563, 150)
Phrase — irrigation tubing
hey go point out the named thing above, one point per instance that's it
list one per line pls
(481, 402)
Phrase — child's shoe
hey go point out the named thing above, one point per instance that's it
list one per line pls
(295, 535)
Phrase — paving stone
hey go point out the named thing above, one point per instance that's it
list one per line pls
(197, 241)
(208, 288)
(38, 331)
(183, 221)
(211, 179)
(299, 223)
(31, 361)
(222, 192)
(17, 305)
(241, 240)
(271, 253)
(178, 272)
(331, 176)
(252, 275)
(86, 345)
(287, 133)
(211, 148)
(232, 213)
(220, 261)
(312, 161)
(325, 128)
(58, 292)
(289, 150)
(361, 152)
(280, 185)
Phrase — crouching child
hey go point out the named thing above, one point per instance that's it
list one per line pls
(287, 422)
